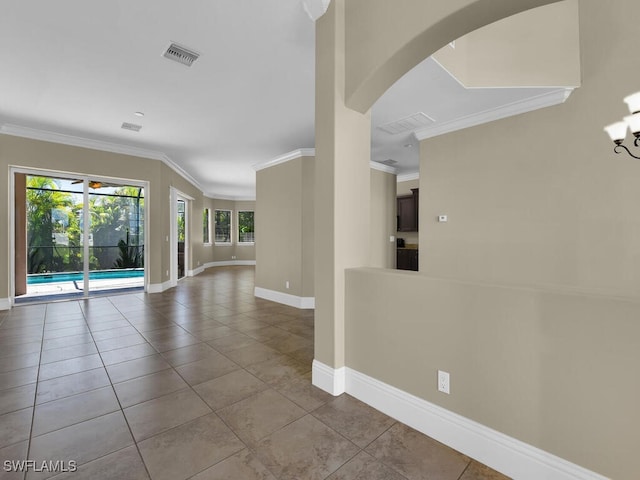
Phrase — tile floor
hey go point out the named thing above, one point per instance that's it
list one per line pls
(204, 381)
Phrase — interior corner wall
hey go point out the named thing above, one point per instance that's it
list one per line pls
(383, 219)
(282, 222)
(234, 252)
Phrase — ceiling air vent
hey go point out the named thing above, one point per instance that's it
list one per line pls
(131, 126)
(390, 162)
(407, 124)
(181, 55)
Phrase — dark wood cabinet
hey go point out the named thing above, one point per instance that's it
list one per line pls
(407, 211)
(407, 259)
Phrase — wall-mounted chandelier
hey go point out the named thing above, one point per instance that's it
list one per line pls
(618, 131)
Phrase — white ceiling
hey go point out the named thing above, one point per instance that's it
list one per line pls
(79, 69)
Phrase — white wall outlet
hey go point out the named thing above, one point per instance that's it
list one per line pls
(286, 284)
(443, 382)
(392, 239)
(167, 238)
(167, 273)
(443, 218)
(233, 257)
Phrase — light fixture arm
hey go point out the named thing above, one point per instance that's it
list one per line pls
(619, 145)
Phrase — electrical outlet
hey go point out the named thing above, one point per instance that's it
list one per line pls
(286, 284)
(443, 382)
(167, 273)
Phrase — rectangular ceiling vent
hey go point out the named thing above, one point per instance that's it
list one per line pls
(131, 126)
(390, 162)
(181, 55)
(407, 124)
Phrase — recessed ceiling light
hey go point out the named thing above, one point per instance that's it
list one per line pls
(139, 114)
(408, 145)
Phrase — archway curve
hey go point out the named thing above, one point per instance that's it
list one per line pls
(385, 60)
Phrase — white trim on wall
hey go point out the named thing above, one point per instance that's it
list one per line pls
(159, 287)
(328, 379)
(407, 177)
(197, 271)
(285, 298)
(303, 152)
(229, 263)
(383, 168)
(543, 100)
(54, 137)
(5, 304)
(497, 450)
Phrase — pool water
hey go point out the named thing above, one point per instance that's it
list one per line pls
(40, 278)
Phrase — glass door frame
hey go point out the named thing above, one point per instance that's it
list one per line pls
(174, 196)
(86, 219)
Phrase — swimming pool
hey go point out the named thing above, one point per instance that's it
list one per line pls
(40, 278)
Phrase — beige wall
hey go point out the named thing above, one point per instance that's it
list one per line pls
(383, 219)
(503, 54)
(553, 369)
(529, 296)
(540, 198)
(284, 227)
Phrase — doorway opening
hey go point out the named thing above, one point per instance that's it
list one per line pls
(77, 236)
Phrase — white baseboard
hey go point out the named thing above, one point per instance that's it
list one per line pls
(197, 271)
(5, 304)
(229, 263)
(505, 454)
(158, 287)
(328, 379)
(285, 298)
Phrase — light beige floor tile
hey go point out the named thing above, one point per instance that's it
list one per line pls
(229, 389)
(188, 449)
(124, 464)
(17, 398)
(145, 388)
(73, 384)
(306, 448)
(162, 413)
(82, 442)
(15, 427)
(67, 411)
(259, 415)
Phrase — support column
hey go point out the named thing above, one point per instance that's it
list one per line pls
(342, 197)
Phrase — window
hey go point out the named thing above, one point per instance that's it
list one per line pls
(206, 226)
(223, 226)
(245, 227)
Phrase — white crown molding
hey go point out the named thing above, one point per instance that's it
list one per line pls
(383, 168)
(548, 99)
(315, 8)
(407, 177)
(230, 197)
(74, 141)
(303, 152)
(496, 450)
(303, 303)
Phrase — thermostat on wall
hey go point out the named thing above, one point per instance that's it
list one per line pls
(442, 218)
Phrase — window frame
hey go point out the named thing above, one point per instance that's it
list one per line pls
(215, 224)
(206, 227)
(254, 227)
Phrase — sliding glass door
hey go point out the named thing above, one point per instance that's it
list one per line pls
(83, 236)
